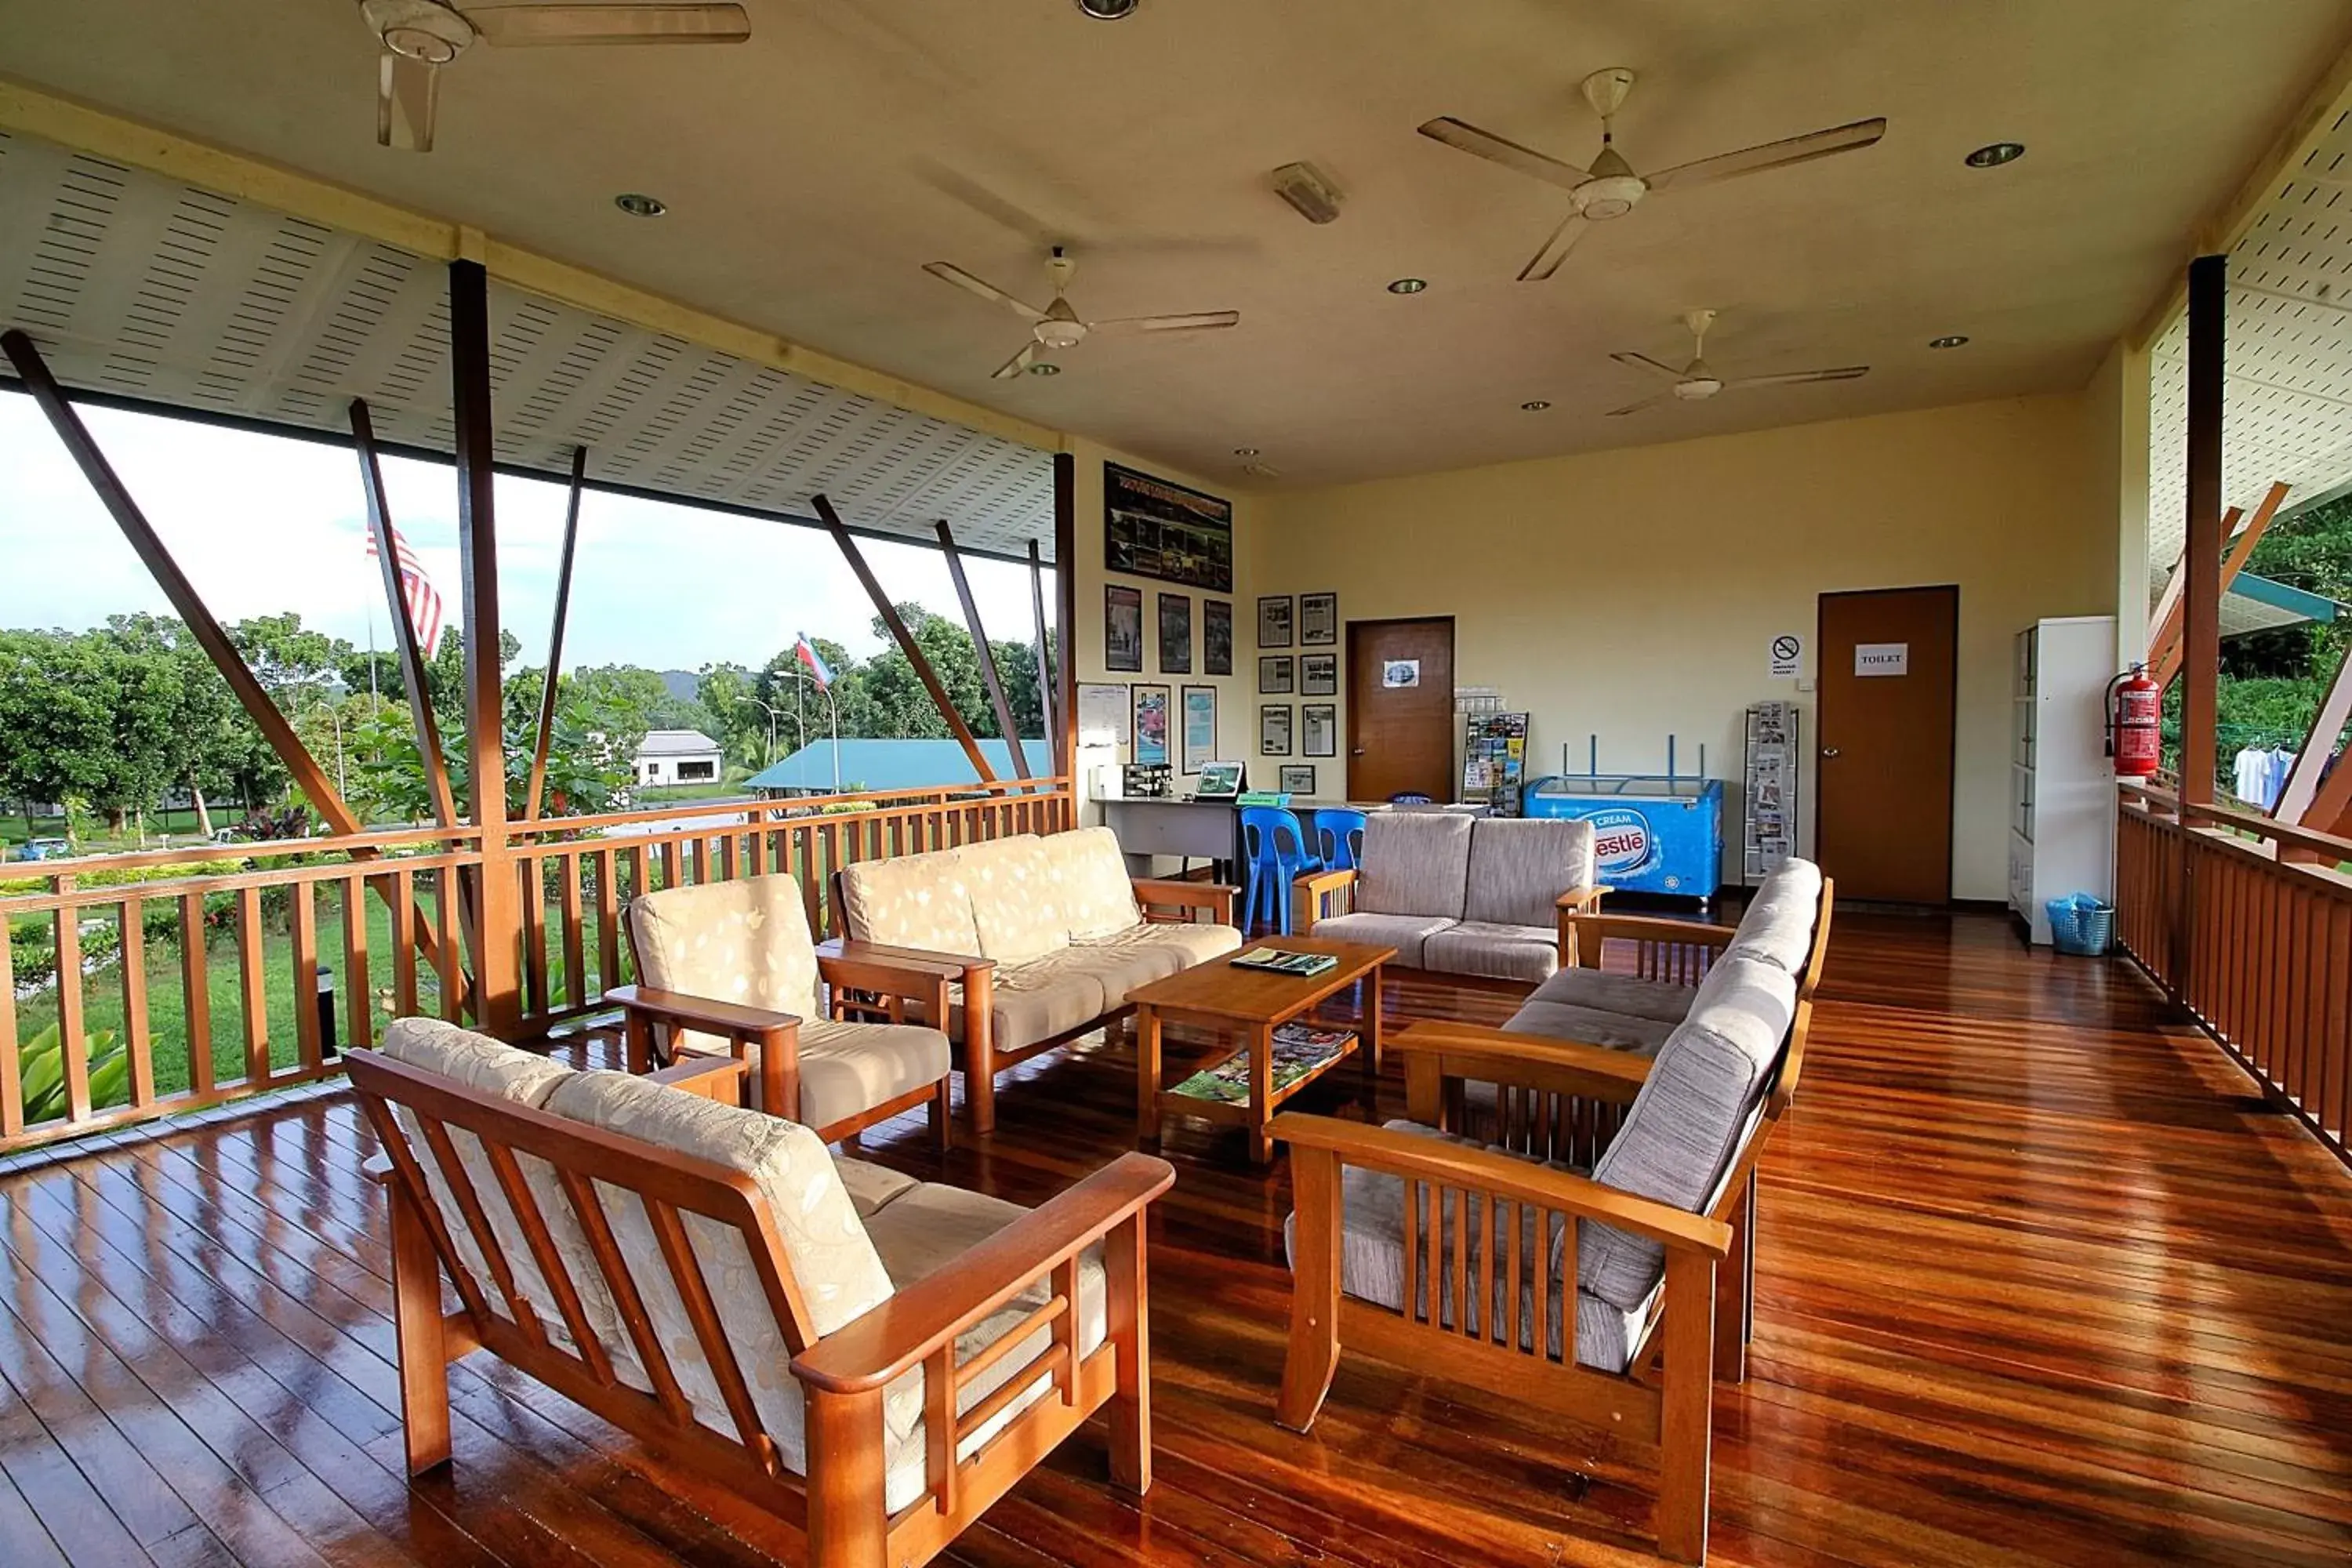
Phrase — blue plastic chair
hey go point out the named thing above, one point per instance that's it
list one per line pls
(1339, 837)
(1410, 798)
(1276, 848)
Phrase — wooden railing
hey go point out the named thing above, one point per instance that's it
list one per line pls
(2248, 925)
(178, 979)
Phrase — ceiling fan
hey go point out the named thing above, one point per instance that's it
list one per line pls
(1696, 382)
(1610, 188)
(1057, 326)
(420, 36)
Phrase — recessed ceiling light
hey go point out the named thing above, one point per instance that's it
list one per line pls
(1950, 341)
(636, 204)
(1245, 451)
(1109, 10)
(1993, 154)
(1044, 367)
(1408, 286)
(1534, 405)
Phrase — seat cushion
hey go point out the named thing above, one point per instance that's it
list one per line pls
(911, 901)
(1372, 1262)
(847, 1069)
(1182, 943)
(1528, 952)
(1406, 933)
(872, 1186)
(1519, 866)
(1619, 994)
(1097, 897)
(1414, 863)
(1589, 1025)
(1016, 900)
(924, 1231)
(1037, 1001)
(745, 942)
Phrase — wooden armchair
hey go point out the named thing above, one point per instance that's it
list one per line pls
(700, 1278)
(1630, 1345)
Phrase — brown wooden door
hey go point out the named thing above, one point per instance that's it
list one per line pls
(1400, 708)
(1889, 659)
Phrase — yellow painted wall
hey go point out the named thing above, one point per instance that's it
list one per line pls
(1635, 592)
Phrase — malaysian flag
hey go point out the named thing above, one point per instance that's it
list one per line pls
(416, 589)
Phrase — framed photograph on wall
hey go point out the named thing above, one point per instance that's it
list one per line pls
(1318, 619)
(1216, 637)
(1158, 528)
(1274, 730)
(1297, 778)
(1319, 725)
(1199, 745)
(1274, 621)
(1274, 674)
(1318, 675)
(1150, 726)
(1175, 634)
(1122, 629)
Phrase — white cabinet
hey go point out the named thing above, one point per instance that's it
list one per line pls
(2062, 794)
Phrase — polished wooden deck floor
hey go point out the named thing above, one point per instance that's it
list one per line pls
(2042, 1282)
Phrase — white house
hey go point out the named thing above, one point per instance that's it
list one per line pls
(678, 756)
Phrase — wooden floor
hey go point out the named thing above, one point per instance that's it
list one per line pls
(2042, 1280)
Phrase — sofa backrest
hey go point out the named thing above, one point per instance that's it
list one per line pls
(1415, 863)
(1097, 897)
(911, 901)
(1777, 926)
(1695, 1112)
(746, 940)
(1016, 898)
(1519, 866)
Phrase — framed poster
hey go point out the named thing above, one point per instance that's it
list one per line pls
(1318, 675)
(1274, 622)
(1157, 528)
(1200, 732)
(1150, 726)
(1122, 629)
(1274, 730)
(1320, 724)
(1274, 674)
(1175, 634)
(1216, 637)
(1297, 778)
(1103, 713)
(1318, 619)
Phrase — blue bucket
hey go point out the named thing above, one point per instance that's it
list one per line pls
(2082, 924)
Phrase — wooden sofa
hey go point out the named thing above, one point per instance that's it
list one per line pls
(1490, 897)
(1045, 938)
(874, 1359)
(1602, 1216)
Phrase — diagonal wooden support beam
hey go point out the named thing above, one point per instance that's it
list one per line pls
(988, 677)
(1049, 700)
(412, 654)
(1065, 610)
(556, 635)
(2307, 800)
(906, 640)
(2165, 653)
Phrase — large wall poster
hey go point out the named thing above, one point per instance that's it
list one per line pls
(1157, 528)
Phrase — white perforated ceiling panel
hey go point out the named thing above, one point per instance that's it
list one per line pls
(136, 286)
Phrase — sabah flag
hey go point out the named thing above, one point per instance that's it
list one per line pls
(807, 652)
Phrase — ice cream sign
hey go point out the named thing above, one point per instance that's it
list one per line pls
(1622, 844)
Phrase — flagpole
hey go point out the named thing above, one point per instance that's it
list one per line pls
(834, 709)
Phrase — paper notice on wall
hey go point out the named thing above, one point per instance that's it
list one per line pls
(1400, 672)
(1882, 658)
(1103, 715)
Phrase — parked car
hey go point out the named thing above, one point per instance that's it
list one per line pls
(46, 849)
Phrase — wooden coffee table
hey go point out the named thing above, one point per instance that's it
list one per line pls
(1248, 1005)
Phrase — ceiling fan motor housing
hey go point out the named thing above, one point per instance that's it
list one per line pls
(419, 29)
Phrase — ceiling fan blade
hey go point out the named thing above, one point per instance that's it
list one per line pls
(1510, 155)
(1194, 322)
(517, 26)
(949, 272)
(1647, 363)
(406, 91)
(1799, 377)
(1772, 155)
(1555, 250)
(1651, 402)
(1017, 364)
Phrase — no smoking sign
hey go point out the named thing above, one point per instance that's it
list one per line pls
(1788, 651)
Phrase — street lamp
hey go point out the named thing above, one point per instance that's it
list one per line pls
(772, 729)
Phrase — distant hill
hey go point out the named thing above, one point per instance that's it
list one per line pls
(681, 684)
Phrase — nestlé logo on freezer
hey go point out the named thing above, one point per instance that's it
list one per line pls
(1622, 844)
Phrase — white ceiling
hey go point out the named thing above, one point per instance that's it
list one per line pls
(811, 171)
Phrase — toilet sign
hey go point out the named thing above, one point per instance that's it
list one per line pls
(1882, 658)
(1787, 649)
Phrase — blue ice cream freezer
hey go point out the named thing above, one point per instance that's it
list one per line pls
(1652, 832)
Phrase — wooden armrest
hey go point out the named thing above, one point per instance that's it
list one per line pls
(732, 1019)
(1463, 1166)
(713, 1077)
(1323, 883)
(918, 1321)
(1656, 928)
(903, 958)
(379, 1169)
(886, 971)
(1214, 897)
(1538, 1061)
(1579, 898)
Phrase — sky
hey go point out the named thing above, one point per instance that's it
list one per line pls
(263, 525)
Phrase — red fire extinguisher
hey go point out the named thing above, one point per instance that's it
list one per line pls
(2135, 718)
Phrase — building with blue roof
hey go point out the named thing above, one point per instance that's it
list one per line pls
(874, 764)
